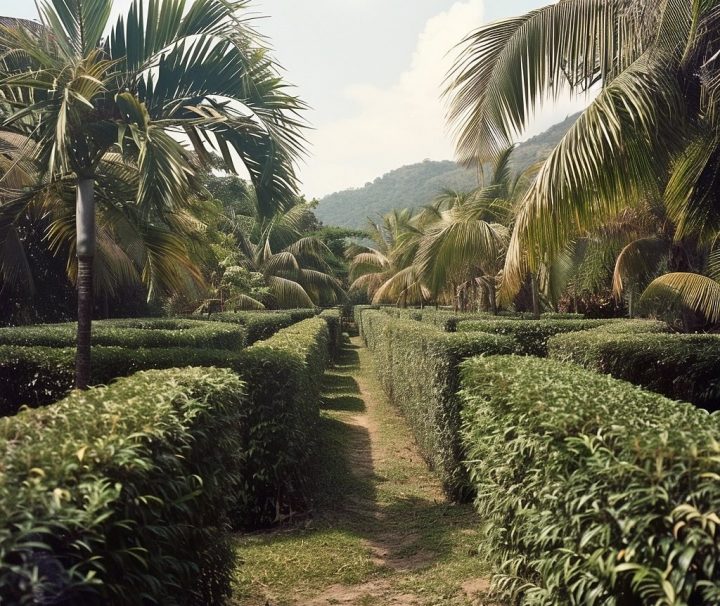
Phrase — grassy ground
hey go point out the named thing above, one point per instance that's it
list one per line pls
(383, 532)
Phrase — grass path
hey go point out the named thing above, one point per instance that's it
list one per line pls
(382, 532)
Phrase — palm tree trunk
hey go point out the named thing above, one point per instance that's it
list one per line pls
(535, 296)
(85, 229)
(492, 296)
(630, 303)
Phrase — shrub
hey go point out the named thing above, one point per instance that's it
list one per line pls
(334, 320)
(122, 495)
(530, 335)
(258, 324)
(357, 315)
(37, 376)
(132, 333)
(682, 367)
(594, 491)
(417, 365)
(283, 376)
(300, 314)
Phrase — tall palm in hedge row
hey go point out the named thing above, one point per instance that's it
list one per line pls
(653, 130)
(168, 71)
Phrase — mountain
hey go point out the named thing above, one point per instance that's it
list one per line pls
(415, 185)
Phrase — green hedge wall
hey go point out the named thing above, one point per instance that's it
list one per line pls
(37, 376)
(417, 365)
(334, 320)
(530, 336)
(283, 376)
(593, 491)
(259, 325)
(124, 495)
(132, 333)
(682, 367)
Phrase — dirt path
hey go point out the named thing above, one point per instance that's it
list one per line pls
(383, 532)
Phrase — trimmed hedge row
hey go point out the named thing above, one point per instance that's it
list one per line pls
(334, 320)
(448, 320)
(38, 376)
(417, 365)
(259, 325)
(682, 367)
(594, 491)
(530, 336)
(263, 324)
(150, 332)
(124, 494)
(283, 376)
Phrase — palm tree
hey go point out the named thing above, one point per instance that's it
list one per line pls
(465, 247)
(292, 264)
(652, 130)
(387, 270)
(166, 70)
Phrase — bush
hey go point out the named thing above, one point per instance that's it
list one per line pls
(334, 320)
(283, 376)
(594, 491)
(682, 367)
(132, 333)
(122, 495)
(37, 376)
(357, 315)
(530, 335)
(258, 324)
(417, 365)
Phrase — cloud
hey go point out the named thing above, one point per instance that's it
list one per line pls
(394, 125)
(387, 127)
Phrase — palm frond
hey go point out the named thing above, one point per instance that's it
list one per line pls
(637, 262)
(693, 291)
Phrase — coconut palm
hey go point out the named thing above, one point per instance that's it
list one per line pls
(167, 70)
(292, 264)
(652, 130)
(387, 270)
(465, 247)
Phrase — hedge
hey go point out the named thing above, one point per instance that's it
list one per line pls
(283, 376)
(593, 491)
(37, 376)
(258, 324)
(334, 320)
(124, 494)
(679, 366)
(530, 336)
(132, 333)
(417, 365)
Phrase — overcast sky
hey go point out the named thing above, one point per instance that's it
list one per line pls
(372, 71)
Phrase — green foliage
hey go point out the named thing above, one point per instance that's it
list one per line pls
(530, 336)
(284, 377)
(682, 367)
(282, 374)
(36, 375)
(593, 490)
(151, 332)
(334, 320)
(417, 365)
(123, 494)
(259, 325)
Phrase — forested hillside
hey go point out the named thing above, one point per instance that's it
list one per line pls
(417, 184)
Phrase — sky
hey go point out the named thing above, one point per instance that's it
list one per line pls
(372, 73)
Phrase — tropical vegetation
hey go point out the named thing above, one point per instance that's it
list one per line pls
(94, 111)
